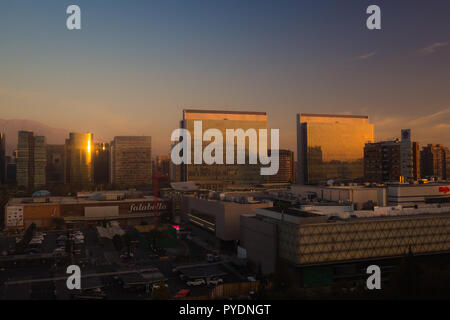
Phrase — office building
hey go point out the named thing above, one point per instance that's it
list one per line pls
(2, 158)
(218, 176)
(435, 162)
(79, 167)
(102, 164)
(331, 147)
(11, 170)
(131, 161)
(31, 160)
(55, 164)
(286, 170)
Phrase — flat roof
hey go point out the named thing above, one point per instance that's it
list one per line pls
(333, 115)
(224, 111)
(74, 200)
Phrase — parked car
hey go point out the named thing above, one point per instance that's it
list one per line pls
(182, 293)
(214, 281)
(196, 282)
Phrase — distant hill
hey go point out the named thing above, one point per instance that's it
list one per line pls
(13, 126)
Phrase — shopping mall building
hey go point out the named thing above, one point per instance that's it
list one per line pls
(84, 209)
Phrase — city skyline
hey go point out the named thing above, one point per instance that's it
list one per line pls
(130, 71)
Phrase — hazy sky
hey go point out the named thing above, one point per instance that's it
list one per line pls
(136, 64)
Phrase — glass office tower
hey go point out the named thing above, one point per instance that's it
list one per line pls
(218, 176)
(331, 147)
(79, 161)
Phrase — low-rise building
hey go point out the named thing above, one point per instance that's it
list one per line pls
(83, 209)
(221, 215)
(303, 239)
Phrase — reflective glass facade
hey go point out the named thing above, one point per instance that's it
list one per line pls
(217, 176)
(331, 147)
(79, 149)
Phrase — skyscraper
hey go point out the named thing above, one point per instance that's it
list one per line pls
(131, 160)
(102, 155)
(331, 147)
(435, 162)
(31, 160)
(218, 176)
(79, 167)
(55, 164)
(2, 158)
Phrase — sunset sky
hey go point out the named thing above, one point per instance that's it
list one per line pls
(135, 65)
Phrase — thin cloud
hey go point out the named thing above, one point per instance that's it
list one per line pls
(433, 48)
(366, 56)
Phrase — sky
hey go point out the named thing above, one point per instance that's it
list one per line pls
(135, 65)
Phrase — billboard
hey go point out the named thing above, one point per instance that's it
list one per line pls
(14, 216)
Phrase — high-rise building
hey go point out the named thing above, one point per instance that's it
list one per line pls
(2, 158)
(102, 155)
(286, 170)
(79, 168)
(435, 162)
(382, 161)
(331, 147)
(162, 164)
(391, 160)
(31, 160)
(416, 160)
(11, 169)
(55, 164)
(218, 176)
(131, 160)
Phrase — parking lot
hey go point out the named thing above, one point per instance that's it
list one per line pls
(24, 278)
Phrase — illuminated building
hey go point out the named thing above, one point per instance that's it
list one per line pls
(31, 160)
(78, 155)
(55, 164)
(218, 176)
(331, 147)
(131, 160)
(101, 163)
